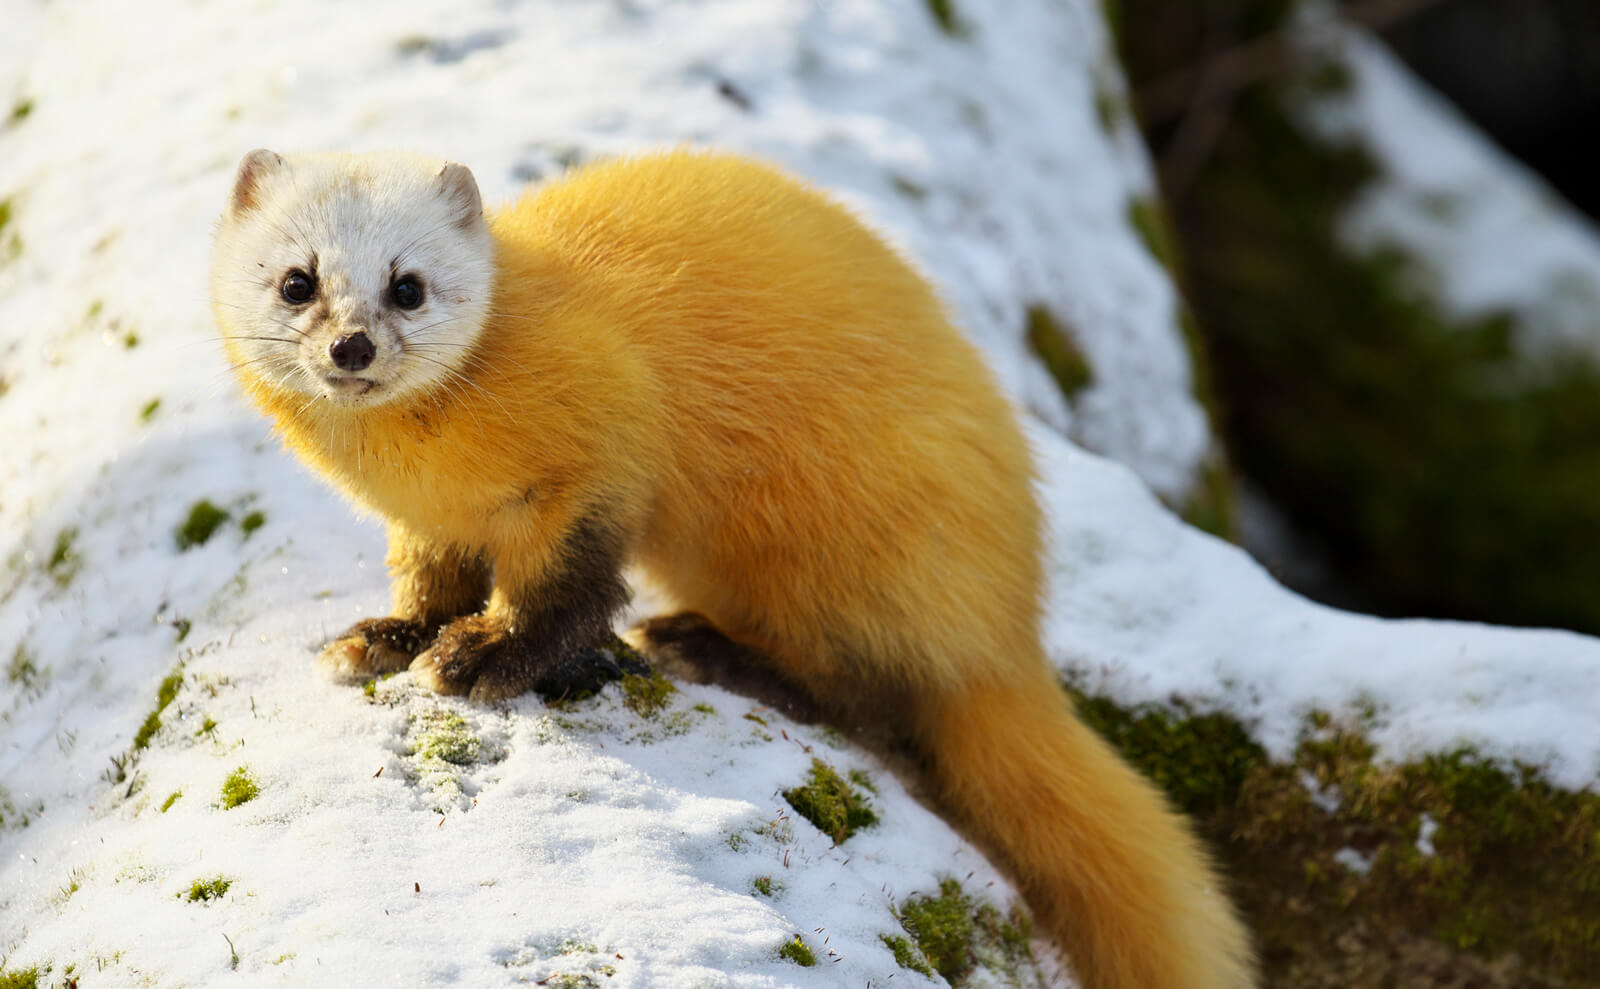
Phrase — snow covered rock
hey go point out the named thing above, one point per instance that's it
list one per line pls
(184, 798)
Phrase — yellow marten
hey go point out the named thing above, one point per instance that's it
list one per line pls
(695, 364)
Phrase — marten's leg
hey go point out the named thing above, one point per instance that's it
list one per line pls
(431, 584)
(548, 624)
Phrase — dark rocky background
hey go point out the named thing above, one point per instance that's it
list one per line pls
(1350, 402)
(1527, 72)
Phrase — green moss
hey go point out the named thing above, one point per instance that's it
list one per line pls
(130, 339)
(20, 978)
(1149, 219)
(956, 935)
(834, 806)
(172, 798)
(64, 562)
(445, 736)
(183, 625)
(21, 110)
(239, 788)
(165, 695)
(1110, 109)
(5, 213)
(1500, 896)
(798, 952)
(253, 521)
(1111, 10)
(704, 708)
(908, 188)
(571, 946)
(942, 927)
(147, 730)
(944, 13)
(1201, 760)
(148, 412)
(764, 885)
(1210, 507)
(1054, 345)
(202, 890)
(647, 696)
(22, 671)
(906, 954)
(413, 44)
(860, 778)
(200, 524)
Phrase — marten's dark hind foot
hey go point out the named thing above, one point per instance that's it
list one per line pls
(477, 656)
(687, 646)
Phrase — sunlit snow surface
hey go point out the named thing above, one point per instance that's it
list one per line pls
(574, 837)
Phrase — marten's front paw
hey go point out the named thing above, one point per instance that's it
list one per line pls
(477, 656)
(372, 647)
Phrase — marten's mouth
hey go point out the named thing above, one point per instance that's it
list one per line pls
(349, 384)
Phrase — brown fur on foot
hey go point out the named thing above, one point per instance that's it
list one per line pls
(373, 647)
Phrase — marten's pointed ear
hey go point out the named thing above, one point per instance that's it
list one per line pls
(460, 190)
(253, 171)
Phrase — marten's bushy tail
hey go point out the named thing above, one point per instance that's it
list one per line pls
(1111, 873)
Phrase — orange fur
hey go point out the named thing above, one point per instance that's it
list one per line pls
(773, 410)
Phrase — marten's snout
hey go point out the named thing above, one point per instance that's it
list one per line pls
(352, 352)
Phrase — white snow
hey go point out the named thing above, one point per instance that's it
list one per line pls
(1427, 827)
(1486, 233)
(591, 832)
(1353, 860)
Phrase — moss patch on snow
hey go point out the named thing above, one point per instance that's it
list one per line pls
(446, 750)
(944, 14)
(23, 671)
(1060, 353)
(64, 562)
(199, 525)
(838, 809)
(444, 736)
(956, 935)
(1356, 872)
(165, 695)
(251, 522)
(798, 951)
(647, 696)
(240, 787)
(906, 954)
(202, 890)
(20, 978)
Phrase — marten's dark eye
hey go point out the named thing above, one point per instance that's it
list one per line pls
(406, 292)
(298, 288)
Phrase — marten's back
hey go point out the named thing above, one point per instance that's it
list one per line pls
(828, 427)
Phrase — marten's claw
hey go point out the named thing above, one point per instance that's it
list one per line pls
(463, 650)
(372, 647)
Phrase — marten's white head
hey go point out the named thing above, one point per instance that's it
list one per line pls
(357, 278)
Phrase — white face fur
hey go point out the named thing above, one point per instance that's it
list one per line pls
(354, 278)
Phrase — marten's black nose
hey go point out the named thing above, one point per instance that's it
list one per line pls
(352, 352)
